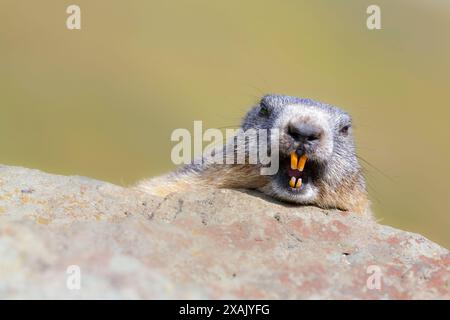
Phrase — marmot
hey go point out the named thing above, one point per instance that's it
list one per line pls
(311, 131)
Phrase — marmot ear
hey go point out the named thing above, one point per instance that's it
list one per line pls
(344, 130)
(264, 109)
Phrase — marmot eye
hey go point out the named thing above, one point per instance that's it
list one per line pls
(264, 110)
(344, 130)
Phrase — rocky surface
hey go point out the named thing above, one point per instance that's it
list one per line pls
(208, 244)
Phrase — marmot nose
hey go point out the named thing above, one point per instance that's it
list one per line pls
(304, 132)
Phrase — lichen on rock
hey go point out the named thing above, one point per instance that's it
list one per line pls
(206, 244)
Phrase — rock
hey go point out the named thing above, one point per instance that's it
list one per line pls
(219, 244)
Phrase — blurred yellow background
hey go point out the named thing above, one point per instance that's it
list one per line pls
(102, 101)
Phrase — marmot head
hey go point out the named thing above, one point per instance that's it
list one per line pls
(319, 134)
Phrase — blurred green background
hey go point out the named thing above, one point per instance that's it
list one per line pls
(102, 101)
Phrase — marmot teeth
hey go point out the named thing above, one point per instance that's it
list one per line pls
(294, 160)
(296, 163)
(302, 162)
(295, 182)
(299, 183)
(292, 182)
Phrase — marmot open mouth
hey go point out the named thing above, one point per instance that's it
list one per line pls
(295, 172)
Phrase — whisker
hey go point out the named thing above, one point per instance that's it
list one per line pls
(375, 168)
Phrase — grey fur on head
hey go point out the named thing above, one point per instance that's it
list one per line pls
(333, 162)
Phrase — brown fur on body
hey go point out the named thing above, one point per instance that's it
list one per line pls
(349, 196)
(214, 176)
